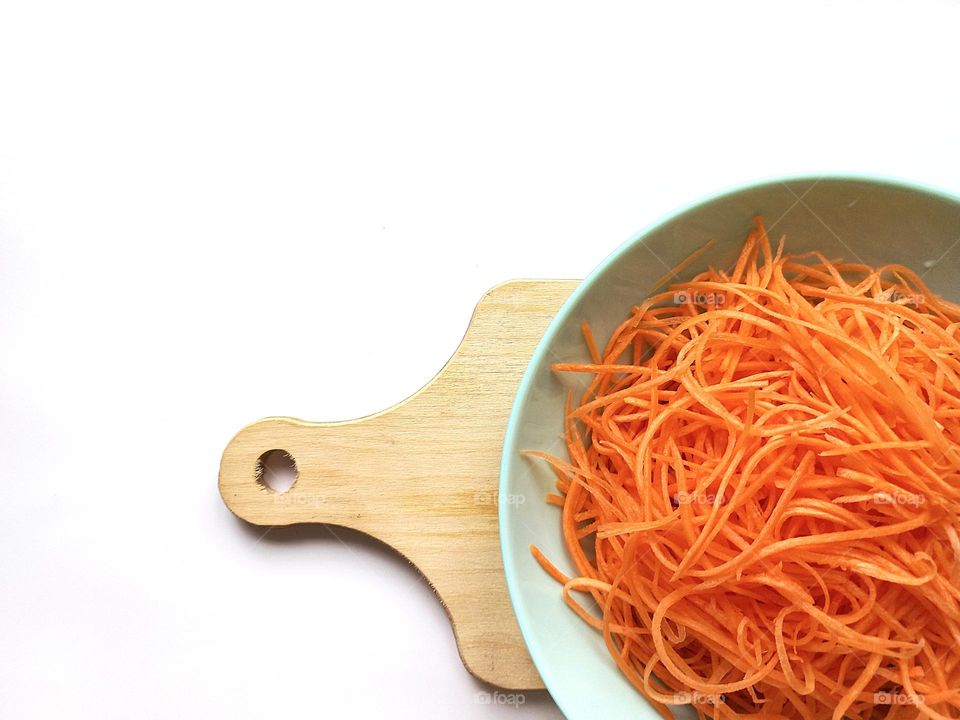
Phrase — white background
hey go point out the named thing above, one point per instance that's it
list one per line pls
(215, 211)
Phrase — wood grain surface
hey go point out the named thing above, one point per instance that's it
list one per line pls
(435, 503)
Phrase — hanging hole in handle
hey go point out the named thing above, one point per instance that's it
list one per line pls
(276, 471)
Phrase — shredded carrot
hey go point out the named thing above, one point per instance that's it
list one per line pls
(762, 494)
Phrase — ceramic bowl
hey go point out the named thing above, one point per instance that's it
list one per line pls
(872, 220)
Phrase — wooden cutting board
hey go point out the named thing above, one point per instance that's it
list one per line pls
(435, 503)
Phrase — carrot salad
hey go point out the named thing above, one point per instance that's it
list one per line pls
(762, 493)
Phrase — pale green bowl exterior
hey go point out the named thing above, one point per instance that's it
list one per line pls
(873, 220)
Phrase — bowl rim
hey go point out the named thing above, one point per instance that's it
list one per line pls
(559, 692)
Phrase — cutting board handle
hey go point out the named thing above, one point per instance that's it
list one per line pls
(421, 476)
(342, 473)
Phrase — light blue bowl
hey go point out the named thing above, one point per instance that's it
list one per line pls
(873, 220)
